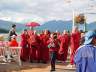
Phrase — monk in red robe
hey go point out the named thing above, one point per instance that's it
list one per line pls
(58, 34)
(44, 50)
(75, 43)
(63, 51)
(41, 46)
(34, 47)
(25, 46)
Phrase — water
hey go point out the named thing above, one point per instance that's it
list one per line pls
(5, 36)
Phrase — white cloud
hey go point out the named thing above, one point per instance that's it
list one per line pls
(6, 18)
(44, 10)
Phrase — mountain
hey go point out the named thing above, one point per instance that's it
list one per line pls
(91, 26)
(56, 25)
(61, 25)
(6, 26)
(50, 25)
(3, 30)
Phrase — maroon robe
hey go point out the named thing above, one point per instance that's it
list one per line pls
(24, 55)
(63, 51)
(34, 47)
(41, 47)
(44, 49)
(75, 43)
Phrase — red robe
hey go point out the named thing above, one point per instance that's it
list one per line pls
(44, 50)
(24, 55)
(41, 47)
(75, 43)
(34, 47)
(63, 51)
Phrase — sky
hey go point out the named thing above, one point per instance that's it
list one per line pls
(46, 10)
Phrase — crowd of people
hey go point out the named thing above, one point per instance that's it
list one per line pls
(51, 46)
(46, 46)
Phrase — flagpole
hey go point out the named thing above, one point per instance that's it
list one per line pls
(73, 22)
(85, 26)
(85, 23)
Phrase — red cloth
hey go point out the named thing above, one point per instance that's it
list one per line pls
(63, 51)
(75, 43)
(24, 55)
(13, 43)
(41, 47)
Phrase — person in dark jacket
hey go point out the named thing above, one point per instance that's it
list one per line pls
(12, 32)
(53, 44)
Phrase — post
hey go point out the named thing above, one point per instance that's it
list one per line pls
(31, 28)
(73, 22)
(85, 26)
(85, 23)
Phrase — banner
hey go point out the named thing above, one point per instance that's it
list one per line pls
(79, 19)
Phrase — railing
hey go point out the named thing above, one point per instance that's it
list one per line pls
(15, 52)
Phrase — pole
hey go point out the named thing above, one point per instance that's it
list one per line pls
(85, 23)
(85, 26)
(73, 22)
(31, 28)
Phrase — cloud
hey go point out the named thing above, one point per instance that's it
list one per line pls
(44, 10)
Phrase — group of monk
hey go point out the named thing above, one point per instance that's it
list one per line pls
(54, 46)
(36, 47)
(47, 46)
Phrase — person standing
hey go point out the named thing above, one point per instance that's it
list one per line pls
(53, 44)
(35, 47)
(74, 43)
(12, 32)
(24, 55)
(85, 56)
(63, 51)
(45, 50)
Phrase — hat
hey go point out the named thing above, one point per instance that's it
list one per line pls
(13, 36)
(89, 37)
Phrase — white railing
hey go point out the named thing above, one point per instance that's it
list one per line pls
(15, 52)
